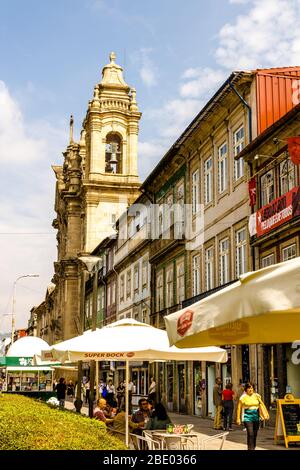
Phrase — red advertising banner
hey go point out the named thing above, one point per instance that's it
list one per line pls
(278, 211)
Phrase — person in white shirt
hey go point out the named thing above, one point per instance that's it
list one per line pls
(152, 390)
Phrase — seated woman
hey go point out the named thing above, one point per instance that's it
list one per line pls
(159, 418)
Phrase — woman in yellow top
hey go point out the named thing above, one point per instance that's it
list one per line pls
(248, 407)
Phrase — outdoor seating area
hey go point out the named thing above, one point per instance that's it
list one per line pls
(161, 440)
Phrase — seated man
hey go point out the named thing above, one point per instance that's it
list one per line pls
(141, 416)
(99, 412)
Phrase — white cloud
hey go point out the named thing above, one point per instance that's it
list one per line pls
(149, 153)
(15, 143)
(27, 150)
(267, 35)
(239, 2)
(147, 69)
(203, 81)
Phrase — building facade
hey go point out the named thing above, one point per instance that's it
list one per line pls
(274, 236)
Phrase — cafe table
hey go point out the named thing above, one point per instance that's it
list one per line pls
(173, 441)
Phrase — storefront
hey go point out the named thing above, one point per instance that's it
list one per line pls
(29, 379)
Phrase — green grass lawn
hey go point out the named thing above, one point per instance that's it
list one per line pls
(28, 424)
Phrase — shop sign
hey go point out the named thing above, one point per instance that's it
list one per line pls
(18, 361)
(278, 211)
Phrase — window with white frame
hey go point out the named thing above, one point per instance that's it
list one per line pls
(224, 261)
(208, 180)
(238, 145)
(180, 282)
(289, 252)
(160, 292)
(128, 284)
(267, 187)
(136, 277)
(196, 275)
(241, 257)
(144, 273)
(209, 268)
(222, 168)
(195, 191)
(170, 287)
(287, 176)
(268, 260)
(122, 287)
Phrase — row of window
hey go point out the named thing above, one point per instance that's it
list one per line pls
(125, 280)
(173, 280)
(288, 252)
(223, 262)
(238, 145)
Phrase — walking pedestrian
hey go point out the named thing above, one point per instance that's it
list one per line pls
(227, 399)
(217, 399)
(61, 392)
(249, 404)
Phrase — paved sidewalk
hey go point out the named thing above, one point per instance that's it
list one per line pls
(236, 440)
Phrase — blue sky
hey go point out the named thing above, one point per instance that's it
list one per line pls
(174, 52)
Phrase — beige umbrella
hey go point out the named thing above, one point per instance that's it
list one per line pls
(128, 340)
(262, 307)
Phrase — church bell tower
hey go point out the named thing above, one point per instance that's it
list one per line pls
(110, 180)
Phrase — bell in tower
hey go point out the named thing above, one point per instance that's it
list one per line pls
(113, 154)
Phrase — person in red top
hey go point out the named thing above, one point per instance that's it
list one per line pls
(227, 397)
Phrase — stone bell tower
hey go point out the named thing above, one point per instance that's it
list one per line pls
(110, 182)
(96, 183)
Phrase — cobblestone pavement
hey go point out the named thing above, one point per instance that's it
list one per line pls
(236, 440)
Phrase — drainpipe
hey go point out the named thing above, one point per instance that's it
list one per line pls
(248, 109)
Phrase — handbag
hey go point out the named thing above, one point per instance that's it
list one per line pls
(262, 410)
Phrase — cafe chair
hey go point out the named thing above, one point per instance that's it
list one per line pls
(144, 443)
(221, 437)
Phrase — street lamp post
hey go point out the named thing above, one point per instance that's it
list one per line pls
(92, 265)
(13, 321)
